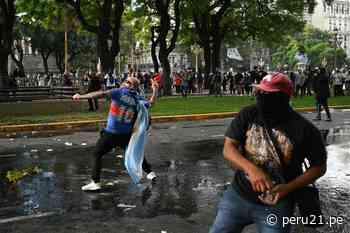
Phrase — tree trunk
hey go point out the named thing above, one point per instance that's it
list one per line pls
(163, 57)
(108, 28)
(211, 56)
(216, 53)
(19, 61)
(45, 58)
(210, 32)
(21, 70)
(20, 66)
(105, 54)
(4, 78)
(7, 13)
(207, 65)
(59, 57)
(164, 29)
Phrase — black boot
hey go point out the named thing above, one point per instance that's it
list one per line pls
(328, 113)
(318, 116)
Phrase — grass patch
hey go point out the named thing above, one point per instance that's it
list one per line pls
(166, 106)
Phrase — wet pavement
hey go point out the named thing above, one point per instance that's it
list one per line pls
(187, 157)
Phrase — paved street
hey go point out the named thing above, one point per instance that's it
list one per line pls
(187, 156)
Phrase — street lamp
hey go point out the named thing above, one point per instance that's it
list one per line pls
(196, 49)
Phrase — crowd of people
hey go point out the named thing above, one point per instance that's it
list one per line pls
(187, 82)
(42, 79)
(304, 80)
(218, 84)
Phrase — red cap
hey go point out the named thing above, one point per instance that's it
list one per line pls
(276, 82)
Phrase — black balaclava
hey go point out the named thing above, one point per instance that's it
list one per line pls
(273, 107)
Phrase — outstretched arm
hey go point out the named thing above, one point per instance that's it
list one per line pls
(95, 94)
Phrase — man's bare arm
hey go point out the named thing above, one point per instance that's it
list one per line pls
(95, 94)
(260, 181)
(308, 177)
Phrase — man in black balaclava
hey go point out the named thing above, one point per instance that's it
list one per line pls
(273, 95)
(266, 144)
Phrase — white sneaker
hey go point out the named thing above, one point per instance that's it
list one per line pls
(92, 186)
(151, 176)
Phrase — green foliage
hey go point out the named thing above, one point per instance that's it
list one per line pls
(44, 22)
(81, 50)
(136, 24)
(46, 13)
(269, 21)
(314, 42)
(14, 176)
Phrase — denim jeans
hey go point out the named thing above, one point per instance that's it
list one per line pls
(235, 212)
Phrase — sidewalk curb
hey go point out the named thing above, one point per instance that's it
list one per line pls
(157, 119)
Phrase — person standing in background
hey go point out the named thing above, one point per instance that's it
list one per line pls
(94, 85)
(322, 93)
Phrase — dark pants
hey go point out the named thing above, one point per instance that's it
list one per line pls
(184, 91)
(93, 104)
(177, 88)
(300, 90)
(322, 101)
(105, 144)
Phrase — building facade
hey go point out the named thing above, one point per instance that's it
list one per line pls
(334, 18)
(32, 60)
(179, 59)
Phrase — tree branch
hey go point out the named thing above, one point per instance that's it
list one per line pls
(3, 5)
(223, 9)
(76, 5)
(118, 13)
(13, 57)
(177, 26)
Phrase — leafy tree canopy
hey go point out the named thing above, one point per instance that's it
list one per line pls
(317, 44)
